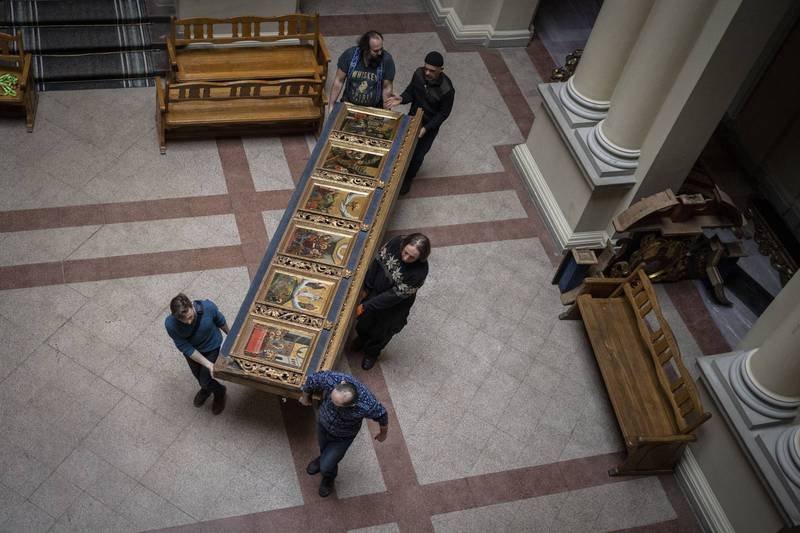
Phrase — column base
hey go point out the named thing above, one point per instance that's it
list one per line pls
(579, 110)
(481, 34)
(760, 408)
(770, 442)
(576, 132)
(563, 234)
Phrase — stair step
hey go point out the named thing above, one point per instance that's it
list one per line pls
(60, 12)
(124, 64)
(96, 38)
(100, 83)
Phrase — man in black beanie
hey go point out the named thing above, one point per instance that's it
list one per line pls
(432, 90)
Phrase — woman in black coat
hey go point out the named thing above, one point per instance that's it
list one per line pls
(391, 284)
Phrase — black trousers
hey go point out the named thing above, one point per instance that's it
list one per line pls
(203, 375)
(377, 328)
(423, 147)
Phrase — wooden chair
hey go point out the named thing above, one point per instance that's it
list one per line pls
(17, 90)
(229, 108)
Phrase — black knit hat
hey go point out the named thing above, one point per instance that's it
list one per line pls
(434, 59)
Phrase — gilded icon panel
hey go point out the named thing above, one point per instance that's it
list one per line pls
(317, 244)
(299, 292)
(336, 200)
(345, 158)
(287, 346)
(369, 124)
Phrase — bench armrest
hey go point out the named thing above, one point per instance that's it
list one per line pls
(26, 71)
(664, 440)
(171, 54)
(324, 54)
(160, 100)
(700, 421)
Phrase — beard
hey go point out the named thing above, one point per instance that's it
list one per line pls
(373, 62)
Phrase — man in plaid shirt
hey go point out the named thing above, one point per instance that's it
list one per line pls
(345, 403)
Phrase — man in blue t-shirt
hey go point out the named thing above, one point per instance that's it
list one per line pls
(366, 72)
(195, 329)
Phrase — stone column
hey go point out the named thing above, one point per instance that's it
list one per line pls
(771, 318)
(667, 37)
(775, 367)
(767, 375)
(758, 390)
(588, 92)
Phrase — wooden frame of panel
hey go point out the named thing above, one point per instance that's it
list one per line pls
(333, 328)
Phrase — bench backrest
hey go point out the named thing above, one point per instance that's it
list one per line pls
(11, 48)
(262, 29)
(203, 90)
(676, 382)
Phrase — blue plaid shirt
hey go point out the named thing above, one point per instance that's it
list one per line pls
(344, 421)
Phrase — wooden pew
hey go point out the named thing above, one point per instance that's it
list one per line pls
(247, 48)
(654, 397)
(15, 63)
(229, 108)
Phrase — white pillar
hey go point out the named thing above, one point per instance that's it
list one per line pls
(775, 367)
(667, 37)
(588, 92)
(771, 318)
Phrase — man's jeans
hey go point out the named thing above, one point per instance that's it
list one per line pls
(331, 451)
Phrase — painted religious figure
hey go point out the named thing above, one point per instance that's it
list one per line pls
(337, 202)
(369, 125)
(297, 292)
(318, 245)
(286, 346)
(341, 159)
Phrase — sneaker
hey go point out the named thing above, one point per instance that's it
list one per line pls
(357, 344)
(367, 362)
(313, 467)
(201, 397)
(326, 487)
(219, 402)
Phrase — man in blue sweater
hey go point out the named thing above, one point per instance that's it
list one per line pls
(345, 403)
(195, 329)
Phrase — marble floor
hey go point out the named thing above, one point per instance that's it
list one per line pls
(498, 417)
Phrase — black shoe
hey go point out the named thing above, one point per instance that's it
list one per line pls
(326, 487)
(368, 362)
(313, 467)
(357, 344)
(201, 397)
(219, 402)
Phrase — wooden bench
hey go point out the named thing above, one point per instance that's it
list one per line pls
(654, 397)
(247, 48)
(17, 90)
(229, 108)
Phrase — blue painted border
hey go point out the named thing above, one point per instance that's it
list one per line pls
(357, 247)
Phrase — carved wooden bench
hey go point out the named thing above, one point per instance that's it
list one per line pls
(17, 90)
(231, 108)
(653, 396)
(247, 48)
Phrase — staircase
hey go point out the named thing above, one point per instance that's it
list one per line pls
(90, 44)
